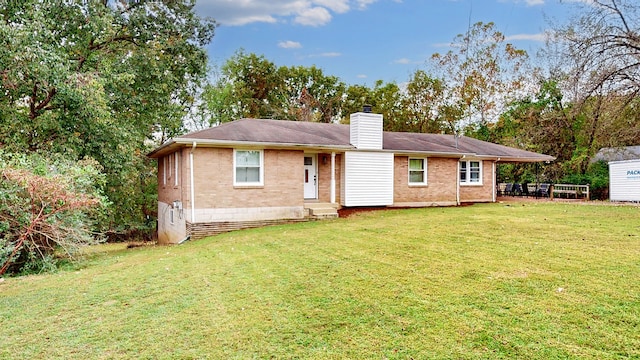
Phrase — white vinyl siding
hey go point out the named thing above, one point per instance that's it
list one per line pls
(624, 180)
(368, 179)
(417, 171)
(470, 172)
(365, 131)
(248, 167)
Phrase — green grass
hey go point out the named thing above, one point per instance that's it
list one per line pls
(527, 281)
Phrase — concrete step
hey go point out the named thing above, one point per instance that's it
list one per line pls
(325, 216)
(322, 211)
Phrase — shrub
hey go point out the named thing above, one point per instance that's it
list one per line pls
(46, 209)
(596, 176)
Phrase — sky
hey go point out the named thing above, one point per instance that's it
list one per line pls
(361, 41)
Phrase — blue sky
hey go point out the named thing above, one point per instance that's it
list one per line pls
(361, 41)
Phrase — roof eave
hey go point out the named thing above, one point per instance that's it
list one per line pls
(177, 142)
(160, 150)
(429, 153)
(516, 159)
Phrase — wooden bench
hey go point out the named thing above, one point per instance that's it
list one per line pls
(570, 191)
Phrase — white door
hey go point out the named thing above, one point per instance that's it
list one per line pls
(310, 177)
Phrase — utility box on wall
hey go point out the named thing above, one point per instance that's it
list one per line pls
(624, 180)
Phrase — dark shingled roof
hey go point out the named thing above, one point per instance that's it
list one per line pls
(282, 133)
(276, 132)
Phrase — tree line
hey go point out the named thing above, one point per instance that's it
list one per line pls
(90, 86)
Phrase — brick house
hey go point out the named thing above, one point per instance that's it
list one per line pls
(255, 172)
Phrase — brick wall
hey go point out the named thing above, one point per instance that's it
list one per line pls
(168, 191)
(440, 188)
(213, 176)
(480, 193)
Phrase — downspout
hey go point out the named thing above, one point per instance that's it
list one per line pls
(333, 178)
(458, 181)
(193, 192)
(494, 167)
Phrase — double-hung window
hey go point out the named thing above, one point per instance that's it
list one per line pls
(248, 168)
(175, 164)
(470, 172)
(417, 171)
(164, 170)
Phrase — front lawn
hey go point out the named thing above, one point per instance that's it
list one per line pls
(528, 281)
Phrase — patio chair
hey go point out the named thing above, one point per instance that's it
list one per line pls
(516, 190)
(507, 189)
(543, 190)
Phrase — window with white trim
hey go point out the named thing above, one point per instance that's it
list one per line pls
(470, 172)
(170, 168)
(164, 170)
(175, 163)
(417, 171)
(248, 167)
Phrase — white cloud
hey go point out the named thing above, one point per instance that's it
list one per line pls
(528, 2)
(338, 6)
(289, 44)
(402, 61)
(316, 16)
(362, 4)
(362, 76)
(303, 12)
(531, 37)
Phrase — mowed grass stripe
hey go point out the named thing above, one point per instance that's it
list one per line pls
(534, 280)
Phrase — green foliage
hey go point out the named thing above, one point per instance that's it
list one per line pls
(252, 86)
(101, 80)
(384, 98)
(47, 208)
(482, 74)
(596, 176)
(541, 123)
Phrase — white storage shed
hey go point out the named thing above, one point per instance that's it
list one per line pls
(624, 180)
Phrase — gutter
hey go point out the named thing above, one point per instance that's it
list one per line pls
(155, 152)
(324, 147)
(261, 144)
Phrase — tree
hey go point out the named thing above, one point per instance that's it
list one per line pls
(597, 57)
(310, 95)
(252, 86)
(384, 98)
(248, 86)
(482, 74)
(424, 104)
(356, 96)
(99, 79)
(45, 206)
(601, 45)
(542, 123)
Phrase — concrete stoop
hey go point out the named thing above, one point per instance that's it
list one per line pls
(321, 211)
